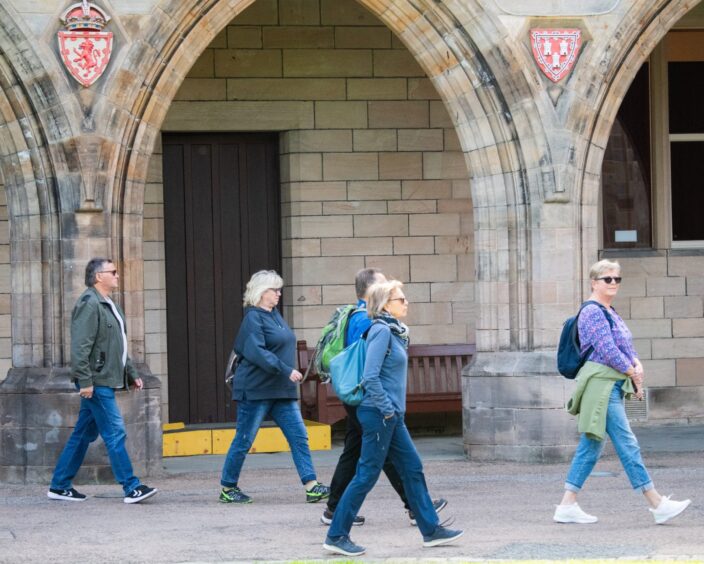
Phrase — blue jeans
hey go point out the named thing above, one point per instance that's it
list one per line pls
(250, 414)
(98, 415)
(382, 437)
(625, 443)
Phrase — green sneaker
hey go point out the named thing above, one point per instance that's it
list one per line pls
(234, 495)
(316, 493)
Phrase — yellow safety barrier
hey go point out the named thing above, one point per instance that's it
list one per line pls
(179, 440)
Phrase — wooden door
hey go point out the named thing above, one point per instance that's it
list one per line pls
(221, 224)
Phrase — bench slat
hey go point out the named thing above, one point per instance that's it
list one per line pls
(434, 382)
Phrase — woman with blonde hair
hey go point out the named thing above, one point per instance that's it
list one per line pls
(381, 415)
(265, 385)
(611, 372)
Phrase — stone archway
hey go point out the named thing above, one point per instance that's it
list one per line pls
(632, 48)
(29, 172)
(449, 43)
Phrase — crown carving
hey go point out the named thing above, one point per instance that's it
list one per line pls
(84, 15)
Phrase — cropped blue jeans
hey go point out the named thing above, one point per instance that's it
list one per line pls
(625, 442)
(250, 414)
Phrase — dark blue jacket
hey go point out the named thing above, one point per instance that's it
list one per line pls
(267, 349)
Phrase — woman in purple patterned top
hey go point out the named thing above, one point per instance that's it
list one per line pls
(611, 345)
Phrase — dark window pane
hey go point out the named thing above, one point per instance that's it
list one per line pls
(687, 159)
(626, 171)
(686, 88)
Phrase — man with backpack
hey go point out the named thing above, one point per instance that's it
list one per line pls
(353, 323)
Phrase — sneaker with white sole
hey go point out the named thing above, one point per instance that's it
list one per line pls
(442, 535)
(317, 493)
(326, 518)
(668, 509)
(438, 505)
(344, 546)
(572, 514)
(140, 493)
(65, 495)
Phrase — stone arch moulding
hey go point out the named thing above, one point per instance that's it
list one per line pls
(631, 47)
(28, 166)
(442, 39)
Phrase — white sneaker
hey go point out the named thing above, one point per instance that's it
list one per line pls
(668, 509)
(572, 514)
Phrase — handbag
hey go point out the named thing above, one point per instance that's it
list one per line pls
(347, 370)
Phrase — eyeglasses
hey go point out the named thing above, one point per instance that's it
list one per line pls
(611, 279)
(402, 300)
(276, 290)
(113, 272)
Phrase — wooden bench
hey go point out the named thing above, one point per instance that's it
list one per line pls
(434, 382)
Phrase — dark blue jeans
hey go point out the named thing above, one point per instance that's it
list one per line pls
(250, 414)
(98, 415)
(382, 437)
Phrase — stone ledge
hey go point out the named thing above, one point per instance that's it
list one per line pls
(38, 410)
(513, 408)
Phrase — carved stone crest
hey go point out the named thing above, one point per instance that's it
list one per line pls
(555, 50)
(85, 49)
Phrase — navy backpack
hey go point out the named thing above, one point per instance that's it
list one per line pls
(569, 357)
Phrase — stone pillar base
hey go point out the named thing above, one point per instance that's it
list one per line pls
(513, 408)
(38, 410)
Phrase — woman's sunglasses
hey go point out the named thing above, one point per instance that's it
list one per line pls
(611, 279)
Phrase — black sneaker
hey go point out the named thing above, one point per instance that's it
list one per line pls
(316, 493)
(438, 505)
(234, 495)
(344, 546)
(140, 493)
(326, 518)
(67, 495)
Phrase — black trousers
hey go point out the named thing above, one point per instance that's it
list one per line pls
(347, 465)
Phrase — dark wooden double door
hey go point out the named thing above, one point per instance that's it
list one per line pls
(221, 224)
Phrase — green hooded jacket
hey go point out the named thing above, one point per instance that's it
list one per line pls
(590, 399)
(96, 344)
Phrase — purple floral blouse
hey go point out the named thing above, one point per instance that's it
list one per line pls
(612, 347)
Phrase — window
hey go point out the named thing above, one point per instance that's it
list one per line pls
(685, 88)
(626, 171)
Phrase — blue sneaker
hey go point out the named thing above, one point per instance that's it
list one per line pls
(344, 546)
(441, 536)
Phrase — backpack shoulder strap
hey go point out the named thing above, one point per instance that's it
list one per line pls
(604, 309)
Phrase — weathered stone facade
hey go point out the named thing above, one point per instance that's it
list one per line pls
(374, 121)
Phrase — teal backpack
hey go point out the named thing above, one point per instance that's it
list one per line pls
(332, 340)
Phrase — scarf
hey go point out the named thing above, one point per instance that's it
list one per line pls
(398, 328)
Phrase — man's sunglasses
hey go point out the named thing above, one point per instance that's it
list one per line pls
(611, 279)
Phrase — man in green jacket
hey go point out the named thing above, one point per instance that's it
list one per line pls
(99, 366)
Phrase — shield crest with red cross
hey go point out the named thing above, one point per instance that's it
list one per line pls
(555, 50)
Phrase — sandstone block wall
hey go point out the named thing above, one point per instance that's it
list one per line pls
(662, 301)
(371, 169)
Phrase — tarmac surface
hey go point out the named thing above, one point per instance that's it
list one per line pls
(505, 509)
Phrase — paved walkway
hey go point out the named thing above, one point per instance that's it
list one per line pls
(505, 509)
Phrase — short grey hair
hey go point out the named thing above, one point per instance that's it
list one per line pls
(598, 268)
(379, 295)
(259, 283)
(94, 266)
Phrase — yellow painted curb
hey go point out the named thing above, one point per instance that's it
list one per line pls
(178, 440)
